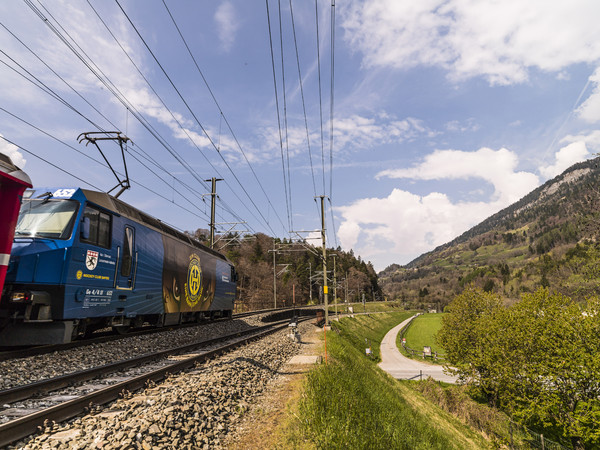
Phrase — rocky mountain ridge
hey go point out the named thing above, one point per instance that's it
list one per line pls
(546, 238)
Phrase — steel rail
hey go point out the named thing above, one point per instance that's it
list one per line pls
(24, 426)
(28, 390)
(44, 349)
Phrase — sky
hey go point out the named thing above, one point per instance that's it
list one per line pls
(415, 120)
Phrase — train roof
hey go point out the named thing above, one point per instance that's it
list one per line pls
(111, 203)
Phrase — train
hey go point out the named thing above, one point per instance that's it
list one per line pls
(83, 260)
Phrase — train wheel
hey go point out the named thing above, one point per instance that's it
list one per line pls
(122, 329)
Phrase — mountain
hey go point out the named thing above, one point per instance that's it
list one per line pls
(548, 238)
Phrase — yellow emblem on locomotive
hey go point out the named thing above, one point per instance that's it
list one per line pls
(193, 286)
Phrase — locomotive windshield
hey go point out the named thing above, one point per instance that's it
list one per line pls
(52, 219)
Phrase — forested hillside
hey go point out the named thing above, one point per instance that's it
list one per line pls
(299, 272)
(549, 238)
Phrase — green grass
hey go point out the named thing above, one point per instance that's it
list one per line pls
(351, 403)
(421, 332)
(368, 307)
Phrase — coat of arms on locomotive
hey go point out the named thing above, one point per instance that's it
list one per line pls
(91, 260)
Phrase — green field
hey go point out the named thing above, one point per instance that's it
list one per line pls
(421, 332)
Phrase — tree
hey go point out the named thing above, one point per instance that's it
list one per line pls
(466, 336)
(552, 377)
(357, 281)
(538, 359)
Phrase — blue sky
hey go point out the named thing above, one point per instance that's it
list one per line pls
(444, 111)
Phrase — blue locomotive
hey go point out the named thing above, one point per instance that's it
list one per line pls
(83, 260)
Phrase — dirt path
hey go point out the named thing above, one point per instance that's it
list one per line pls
(264, 424)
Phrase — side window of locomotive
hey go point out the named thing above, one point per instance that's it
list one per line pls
(127, 252)
(96, 227)
(104, 228)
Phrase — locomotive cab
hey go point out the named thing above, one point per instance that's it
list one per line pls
(43, 237)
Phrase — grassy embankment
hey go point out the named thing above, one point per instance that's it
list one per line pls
(368, 307)
(351, 403)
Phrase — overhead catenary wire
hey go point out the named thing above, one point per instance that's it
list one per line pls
(320, 91)
(222, 114)
(331, 96)
(285, 185)
(194, 116)
(333, 222)
(285, 118)
(106, 82)
(303, 101)
(286, 167)
(49, 91)
(110, 86)
(173, 116)
(48, 162)
(331, 125)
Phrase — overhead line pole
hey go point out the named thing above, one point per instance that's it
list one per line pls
(334, 287)
(213, 196)
(275, 251)
(325, 290)
(274, 280)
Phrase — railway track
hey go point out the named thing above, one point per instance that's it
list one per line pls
(154, 367)
(111, 336)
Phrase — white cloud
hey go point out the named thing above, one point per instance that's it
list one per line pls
(361, 132)
(404, 225)
(500, 41)
(589, 110)
(400, 227)
(494, 166)
(591, 139)
(351, 133)
(227, 24)
(456, 126)
(12, 151)
(565, 158)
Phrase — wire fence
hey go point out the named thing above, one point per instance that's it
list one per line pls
(535, 439)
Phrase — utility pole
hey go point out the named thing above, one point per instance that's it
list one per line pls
(274, 277)
(310, 282)
(346, 289)
(325, 292)
(213, 196)
(334, 286)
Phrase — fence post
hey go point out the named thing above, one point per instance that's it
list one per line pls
(542, 439)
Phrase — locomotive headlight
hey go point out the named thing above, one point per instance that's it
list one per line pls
(20, 297)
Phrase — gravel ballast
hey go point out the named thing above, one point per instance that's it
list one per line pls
(195, 409)
(18, 372)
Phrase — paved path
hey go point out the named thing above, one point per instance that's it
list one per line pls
(401, 367)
